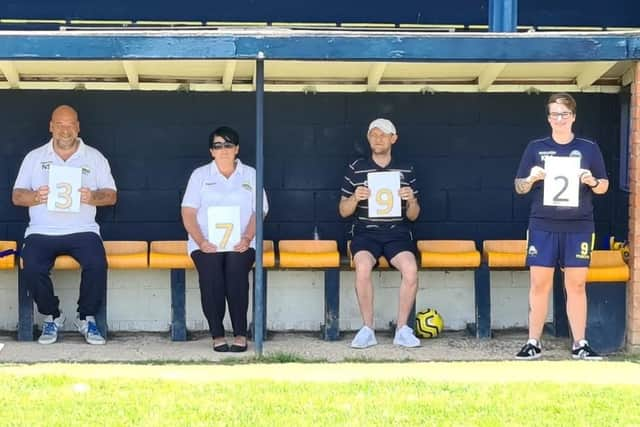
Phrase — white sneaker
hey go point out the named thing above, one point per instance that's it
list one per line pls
(365, 337)
(50, 328)
(89, 330)
(405, 338)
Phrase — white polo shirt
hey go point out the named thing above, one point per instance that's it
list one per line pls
(208, 187)
(34, 173)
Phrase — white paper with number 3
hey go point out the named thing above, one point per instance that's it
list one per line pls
(562, 181)
(224, 227)
(64, 189)
(384, 200)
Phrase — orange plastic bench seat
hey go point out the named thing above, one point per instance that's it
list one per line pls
(607, 266)
(121, 254)
(505, 253)
(7, 262)
(448, 254)
(309, 253)
(127, 254)
(173, 254)
(169, 254)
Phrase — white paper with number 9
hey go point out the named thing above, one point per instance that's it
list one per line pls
(384, 200)
(224, 227)
(64, 189)
(562, 181)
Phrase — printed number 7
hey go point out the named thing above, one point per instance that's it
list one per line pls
(228, 228)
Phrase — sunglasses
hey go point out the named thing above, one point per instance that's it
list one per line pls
(221, 145)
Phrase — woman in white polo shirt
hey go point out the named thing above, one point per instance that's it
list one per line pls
(227, 186)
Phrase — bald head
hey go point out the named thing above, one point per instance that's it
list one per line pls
(64, 112)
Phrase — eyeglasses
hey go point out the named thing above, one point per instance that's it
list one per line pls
(221, 145)
(563, 115)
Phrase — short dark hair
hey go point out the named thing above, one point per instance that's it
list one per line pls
(226, 133)
(564, 99)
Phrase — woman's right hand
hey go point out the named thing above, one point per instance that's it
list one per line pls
(207, 247)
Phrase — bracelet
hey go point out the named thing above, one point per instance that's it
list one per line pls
(596, 184)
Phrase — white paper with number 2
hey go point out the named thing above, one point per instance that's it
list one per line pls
(562, 181)
(384, 200)
(224, 226)
(64, 189)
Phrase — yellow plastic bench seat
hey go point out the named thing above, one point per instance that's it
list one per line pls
(169, 254)
(173, 254)
(127, 254)
(448, 254)
(121, 254)
(607, 266)
(309, 254)
(505, 253)
(382, 261)
(7, 262)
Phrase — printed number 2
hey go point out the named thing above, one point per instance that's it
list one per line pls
(64, 193)
(565, 184)
(384, 198)
(228, 228)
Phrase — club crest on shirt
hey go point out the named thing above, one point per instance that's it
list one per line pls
(247, 186)
(45, 165)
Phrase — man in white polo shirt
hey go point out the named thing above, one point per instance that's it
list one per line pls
(57, 229)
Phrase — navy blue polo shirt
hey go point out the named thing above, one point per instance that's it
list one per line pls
(561, 218)
(356, 175)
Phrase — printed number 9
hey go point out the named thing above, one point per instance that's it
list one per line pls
(384, 199)
(584, 248)
(64, 194)
(228, 228)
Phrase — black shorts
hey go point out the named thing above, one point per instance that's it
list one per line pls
(388, 243)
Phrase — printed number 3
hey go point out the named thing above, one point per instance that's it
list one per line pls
(565, 184)
(64, 193)
(228, 228)
(384, 199)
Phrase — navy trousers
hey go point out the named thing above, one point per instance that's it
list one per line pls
(38, 256)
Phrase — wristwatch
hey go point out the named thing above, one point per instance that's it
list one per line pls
(596, 184)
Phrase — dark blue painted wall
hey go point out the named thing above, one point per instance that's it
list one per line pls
(462, 12)
(466, 148)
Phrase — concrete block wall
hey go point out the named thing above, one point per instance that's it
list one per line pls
(140, 300)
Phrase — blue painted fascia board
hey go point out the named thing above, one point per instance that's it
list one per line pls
(321, 46)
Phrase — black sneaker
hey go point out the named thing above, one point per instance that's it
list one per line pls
(531, 350)
(585, 352)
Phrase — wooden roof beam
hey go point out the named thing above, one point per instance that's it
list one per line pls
(11, 74)
(489, 75)
(592, 72)
(132, 74)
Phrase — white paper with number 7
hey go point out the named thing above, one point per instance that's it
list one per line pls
(64, 189)
(384, 200)
(562, 181)
(224, 227)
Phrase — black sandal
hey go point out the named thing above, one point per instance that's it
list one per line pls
(221, 348)
(235, 348)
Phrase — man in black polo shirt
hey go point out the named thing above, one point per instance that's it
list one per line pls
(382, 234)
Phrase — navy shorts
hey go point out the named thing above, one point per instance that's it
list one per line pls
(550, 248)
(388, 243)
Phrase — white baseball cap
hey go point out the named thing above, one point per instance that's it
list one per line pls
(384, 125)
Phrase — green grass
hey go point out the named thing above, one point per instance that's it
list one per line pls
(293, 394)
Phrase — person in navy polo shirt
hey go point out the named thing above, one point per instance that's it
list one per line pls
(375, 236)
(51, 233)
(560, 235)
